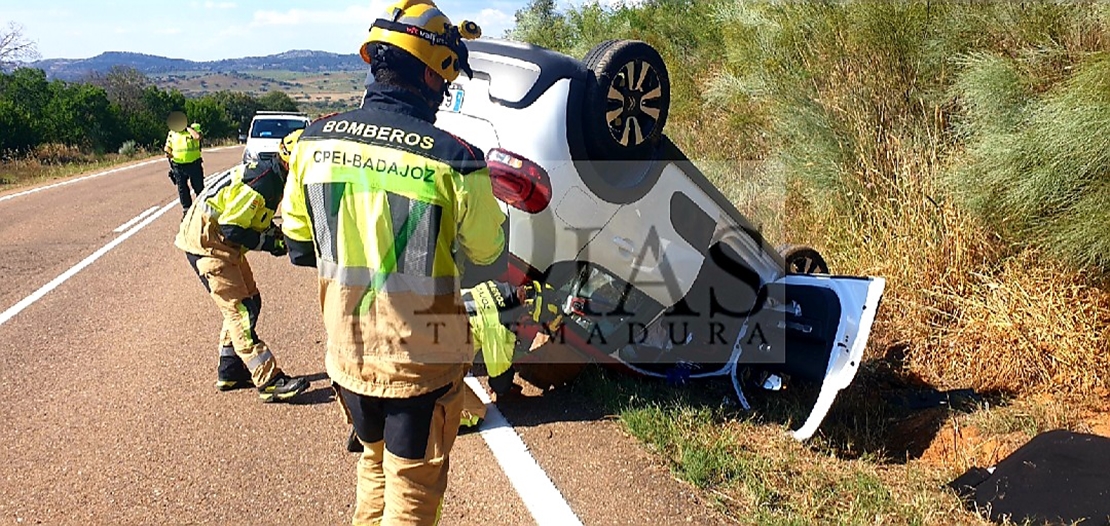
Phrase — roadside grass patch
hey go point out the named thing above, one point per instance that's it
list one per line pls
(54, 161)
(754, 473)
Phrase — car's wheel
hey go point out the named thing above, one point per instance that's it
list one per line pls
(801, 259)
(627, 106)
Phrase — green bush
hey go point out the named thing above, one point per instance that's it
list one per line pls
(108, 111)
(128, 149)
(1038, 166)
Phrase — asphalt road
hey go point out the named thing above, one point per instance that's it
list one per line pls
(110, 415)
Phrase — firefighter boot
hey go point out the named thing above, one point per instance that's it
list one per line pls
(281, 388)
(232, 373)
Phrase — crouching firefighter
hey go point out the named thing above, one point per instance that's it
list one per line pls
(377, 200)
(497, 311)
(231, 217)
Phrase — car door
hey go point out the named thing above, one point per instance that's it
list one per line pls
(811, 328)
(642, 246)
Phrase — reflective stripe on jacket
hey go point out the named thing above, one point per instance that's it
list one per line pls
(385, 200)
(184, 148)
(233, 211)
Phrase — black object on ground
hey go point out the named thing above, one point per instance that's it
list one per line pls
(1059, 477)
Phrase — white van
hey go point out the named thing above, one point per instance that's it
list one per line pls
(267, 130)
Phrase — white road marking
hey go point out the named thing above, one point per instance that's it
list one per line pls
(38, 294)
(95, 175)
(540, 496)
(135, 219)
(77, 180)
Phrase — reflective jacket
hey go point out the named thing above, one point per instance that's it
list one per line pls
(379, 200)
(232, 212)
(183, 147)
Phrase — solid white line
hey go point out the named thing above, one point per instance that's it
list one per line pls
(77, 180)
(135, 219)
(95, 175)
(38, 294)
(540, 496)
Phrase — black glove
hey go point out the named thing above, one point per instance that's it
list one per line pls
(274, 243)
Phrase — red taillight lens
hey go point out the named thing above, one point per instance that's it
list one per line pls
(520, 183)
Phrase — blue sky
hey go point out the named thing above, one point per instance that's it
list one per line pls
(215, 29)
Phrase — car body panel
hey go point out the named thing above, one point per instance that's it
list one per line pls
(561, 231)
(642, 245)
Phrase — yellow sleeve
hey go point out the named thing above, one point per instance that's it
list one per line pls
(480, 218)
(242, 207)
(168, 147)
(295, 223)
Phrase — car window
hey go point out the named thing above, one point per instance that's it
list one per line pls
(275, 128)
(596, 303)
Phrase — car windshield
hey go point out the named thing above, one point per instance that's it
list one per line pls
(275, 128)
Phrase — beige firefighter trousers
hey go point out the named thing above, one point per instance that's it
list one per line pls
(397, 491)
(231, 285)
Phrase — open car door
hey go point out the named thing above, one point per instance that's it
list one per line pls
(812, 328)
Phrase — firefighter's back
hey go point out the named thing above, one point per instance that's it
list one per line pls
(386, 191)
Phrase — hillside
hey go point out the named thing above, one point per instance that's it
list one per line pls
(305, 61)
(316, 92)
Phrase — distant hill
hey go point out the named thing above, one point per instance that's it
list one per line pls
(296, 60)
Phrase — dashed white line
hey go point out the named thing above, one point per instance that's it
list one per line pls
(135, 219)
(54, 283)
(540, 496)
(95, 175)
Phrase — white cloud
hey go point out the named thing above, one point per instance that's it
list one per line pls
(220, 5)
(352, 15)
(494, 22)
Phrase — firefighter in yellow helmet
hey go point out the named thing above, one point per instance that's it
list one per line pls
(378, 199)
(231, 216)
(183, 151)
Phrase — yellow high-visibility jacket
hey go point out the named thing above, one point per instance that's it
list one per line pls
(231, 214)
(378, 200)
(182, 146)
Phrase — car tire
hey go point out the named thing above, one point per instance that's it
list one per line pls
(628, 101)
(801, 259)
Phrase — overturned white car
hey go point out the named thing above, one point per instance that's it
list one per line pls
(662, 275)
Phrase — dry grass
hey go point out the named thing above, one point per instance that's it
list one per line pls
(55, 161)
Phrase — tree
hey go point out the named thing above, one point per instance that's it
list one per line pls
(15, 49)
(124, 86)
(212, 117)
(80, 114)
(28, 92)
(278, 101)
(240, 107)
(16, 126)
(541, 24)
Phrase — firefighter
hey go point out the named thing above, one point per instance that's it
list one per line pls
(378, 199)
(183, 151)
(229, 218)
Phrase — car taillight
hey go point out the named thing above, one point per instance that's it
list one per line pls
(520, 183)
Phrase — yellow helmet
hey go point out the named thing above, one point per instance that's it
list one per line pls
(285, 149)
(421, 29)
